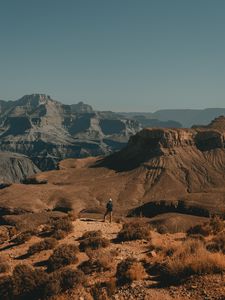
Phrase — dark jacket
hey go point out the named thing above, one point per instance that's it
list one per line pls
(109, 206)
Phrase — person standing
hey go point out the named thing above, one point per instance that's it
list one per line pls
(109, 209)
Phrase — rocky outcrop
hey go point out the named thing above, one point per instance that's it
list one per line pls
(15, 168)
(48, 131)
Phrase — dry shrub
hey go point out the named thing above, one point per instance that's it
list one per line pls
(28, 282)
(189, 259)
(22, 237)
(63, 280)
(200, 229)
(63, 255)
(4, 265)
(136, 230)
(59, 234)
(217, 224)
(213, 226)
(104, 290)
(93, 240)
(4, 234)
(98, 262)
(46, 244)
(93, 243)
(217, 244)
(129, 270)
(91, 234)
(64, 224)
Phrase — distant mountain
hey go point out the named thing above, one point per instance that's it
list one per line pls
(182, 117)
(48, 131)
(15, 168)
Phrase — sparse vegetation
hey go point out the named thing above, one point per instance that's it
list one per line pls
(135, 230)
(104, 290)
(48, 243)
(63, 280)
(91, 234)
(217, 244)
(64, 224)
(129, 270)
(93, 243)
(98, 262)
(213, 226)
(189, 259)
(63, 255)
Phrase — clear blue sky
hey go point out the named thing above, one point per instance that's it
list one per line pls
(121, 55)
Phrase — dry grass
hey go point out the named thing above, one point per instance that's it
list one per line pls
(129, 270)
(135, 230)
(189, 259)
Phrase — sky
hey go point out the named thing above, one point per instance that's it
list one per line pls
(120, 55)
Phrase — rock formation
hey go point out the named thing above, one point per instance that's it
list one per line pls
(160, 170)
(48, 131)
(15, 168)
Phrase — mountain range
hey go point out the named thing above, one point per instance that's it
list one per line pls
(48, 131)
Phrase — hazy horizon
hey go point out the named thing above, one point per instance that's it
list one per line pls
(124, 56)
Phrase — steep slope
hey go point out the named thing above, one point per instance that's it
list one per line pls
(15, 167)
(176, 170)
(48, 131)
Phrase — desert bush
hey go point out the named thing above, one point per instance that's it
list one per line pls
(189, 259)
(129, 270)
(91, 234)
(59, 234)
(22, 237)
(62, 280)
(63, 255)
(4, 267)
(98, 262)
(28, 282)
(213, 226)
(46, 244)
(4, 234)
(70, 278)
(64, 224)
(104, 290)
(93, 243)
(216, 224)
(135, 230)
(200, 229)
(217, 243)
